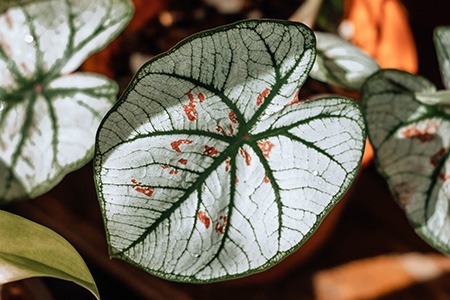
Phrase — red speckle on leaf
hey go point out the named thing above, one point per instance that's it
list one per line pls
(189, 109)
(220, 129)
(190, 112)
(236, 180)
(266, 179)
(183, 161)
(173, 172)
(260, 99)
(245, 155)
(164, 166)
(295, 100)
(266, 147)
(8, 20)
(436, 158)
(176, 144)
(221, 224)
(137, 186)
(232, 116)
(202, 217)
(227, 164)
(191, 98)
(211, 151)
(201, 97)
(231, 129)
(425, 134)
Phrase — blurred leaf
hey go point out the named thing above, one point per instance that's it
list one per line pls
(340, 63)
(411, 142)
(28, 249)
(442, 43)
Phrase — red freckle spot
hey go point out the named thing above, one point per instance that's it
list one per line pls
(202, 217)
(436, 158)
(201, 97)
(191, 99)
(220, 129)
(164, 167)
(137, 186)
(245, 155)
(295, 100)
(221, 224)
(227, 164)
(173, 172)
(211, 151)
(37, 87)
(266, 179)
(183, 161)
(233, 118)
(231, 129)
(190, 112)
(236, 180)
(260, 99)
(176, 144)
(189, 109)
(8, 20)
(266, 147)
(424, 135)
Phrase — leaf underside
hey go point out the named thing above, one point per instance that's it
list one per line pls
(442, 44)
(411, 144)
(341, 63)
(210, 167)
(49, 117)
(28, 249)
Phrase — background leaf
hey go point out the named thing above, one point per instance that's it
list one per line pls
(48, 118)
(340, 63)
(442, 43)
(411, 145)
(210, 167)
(28, 249)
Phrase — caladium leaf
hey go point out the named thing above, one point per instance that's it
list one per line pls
(210, 167)
(442, 43)
(411, 142)
(48, 117)
(28, 249)
(340, 63)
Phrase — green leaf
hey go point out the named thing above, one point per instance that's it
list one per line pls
(442, 43)
(48, 117)
(28, 249)
(210, 167)
(340, 63)
(411, 142)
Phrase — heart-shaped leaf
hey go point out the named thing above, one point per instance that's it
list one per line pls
(48, 118)
(442, 43)
(340, 63)
(28, 250)
(210, 167)
(411, 142)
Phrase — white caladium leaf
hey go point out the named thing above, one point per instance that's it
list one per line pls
(341, 63)
(210, 167)
(28, 249)
(442, 43)
(411, 142)
(48, 117)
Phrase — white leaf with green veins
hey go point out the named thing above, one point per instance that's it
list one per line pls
(341, 63)
(28, 249)
(210, 167)
(442, 43)
(411, 142)
(49, 117)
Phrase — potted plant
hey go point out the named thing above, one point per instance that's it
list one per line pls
(210, 166)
